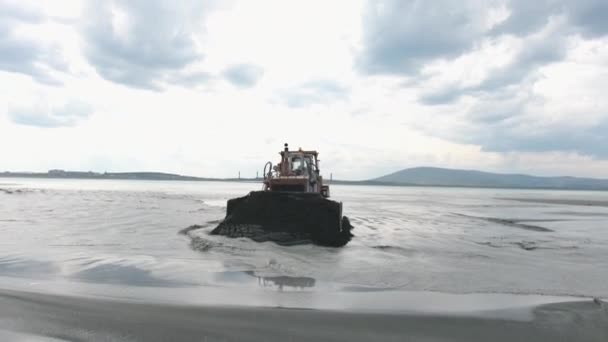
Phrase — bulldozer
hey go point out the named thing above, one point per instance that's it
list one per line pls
(293, 206)
(298, 171)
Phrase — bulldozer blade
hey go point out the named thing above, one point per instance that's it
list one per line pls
(286, 218)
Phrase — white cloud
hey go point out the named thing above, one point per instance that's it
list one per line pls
(515, 86)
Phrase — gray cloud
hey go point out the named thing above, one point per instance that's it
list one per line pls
(243, 75)
(590, 16)
(589, 141)
(526, 17)
(44, 116)
(154, 40)
(401, 37)
(190, 79)
(583, 16)
(25, 56)
(538, 52)
(441, 97)
(314, 92)
(513, 121)
(16, 12)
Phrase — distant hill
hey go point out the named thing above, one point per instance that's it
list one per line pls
(418, 176)
(113, 175)
(452, 177)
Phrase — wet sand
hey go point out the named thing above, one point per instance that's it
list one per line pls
(30, 316)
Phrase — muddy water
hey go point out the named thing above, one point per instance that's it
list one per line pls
(79, 235)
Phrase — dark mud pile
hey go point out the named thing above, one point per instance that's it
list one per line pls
(286, 218)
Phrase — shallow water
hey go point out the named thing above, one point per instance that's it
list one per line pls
(97, 235)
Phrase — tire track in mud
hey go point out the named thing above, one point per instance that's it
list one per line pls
(201, 244)
(514, 222)
(198, 243)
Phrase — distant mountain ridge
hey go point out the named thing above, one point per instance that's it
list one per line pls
(417, 176)
(453, 177)
(113, 175)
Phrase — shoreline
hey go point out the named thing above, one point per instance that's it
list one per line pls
(57, 317)
(369, 301)
(560, 201)
(333, 182)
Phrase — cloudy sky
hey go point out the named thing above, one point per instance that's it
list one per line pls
(208, 88)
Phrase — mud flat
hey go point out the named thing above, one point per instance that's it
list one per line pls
(31, 316)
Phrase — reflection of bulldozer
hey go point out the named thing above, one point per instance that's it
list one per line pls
(292, 208)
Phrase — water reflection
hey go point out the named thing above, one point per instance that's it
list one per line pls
(125, 275)
(19, 267)
(283, 282)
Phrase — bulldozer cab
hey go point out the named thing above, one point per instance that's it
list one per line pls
(298, 171)
(301, 164)
(298, 164)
